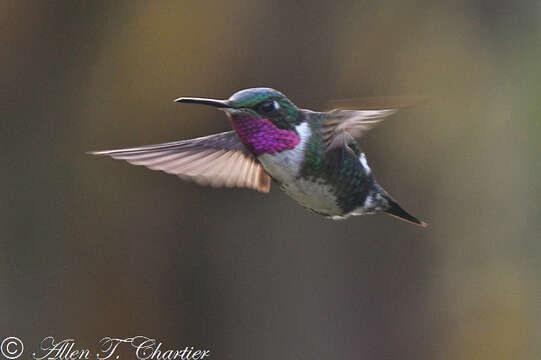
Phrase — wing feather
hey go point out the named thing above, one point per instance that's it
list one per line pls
(340, 126)
(216, 160)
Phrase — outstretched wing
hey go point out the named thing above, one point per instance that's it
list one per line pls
(218, 160)
(340, 126)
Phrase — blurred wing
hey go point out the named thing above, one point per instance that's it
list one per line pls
(218, 160)
(378, 102)
(340, 126)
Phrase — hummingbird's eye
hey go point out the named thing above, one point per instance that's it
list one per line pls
(268, 106)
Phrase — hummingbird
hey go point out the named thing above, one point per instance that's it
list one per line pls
(313, 156)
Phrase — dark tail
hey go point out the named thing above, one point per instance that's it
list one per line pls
(399, 213)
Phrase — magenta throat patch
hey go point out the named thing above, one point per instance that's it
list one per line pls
(261, 136)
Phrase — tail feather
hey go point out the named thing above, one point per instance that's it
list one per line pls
(396, 210)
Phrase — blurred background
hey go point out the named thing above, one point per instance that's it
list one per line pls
(92, 247)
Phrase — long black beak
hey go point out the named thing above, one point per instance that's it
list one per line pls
(211, 102)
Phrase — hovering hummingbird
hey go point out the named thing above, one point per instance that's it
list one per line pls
(312, 155)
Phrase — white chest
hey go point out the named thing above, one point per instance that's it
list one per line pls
(285, 167)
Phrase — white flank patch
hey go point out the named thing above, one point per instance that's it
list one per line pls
(364, 163)
(369, 202)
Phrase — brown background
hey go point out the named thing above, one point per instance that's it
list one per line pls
(92, 247)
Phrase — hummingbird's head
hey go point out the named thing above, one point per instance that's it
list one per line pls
(265, 103)
(256, 103)
(263, 118)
